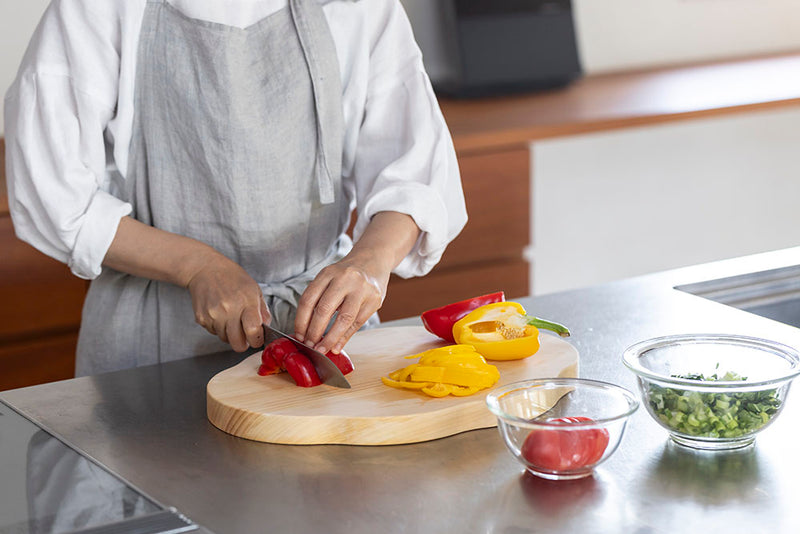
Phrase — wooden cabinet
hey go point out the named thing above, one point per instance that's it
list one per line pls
(40, 312)
(487, 255)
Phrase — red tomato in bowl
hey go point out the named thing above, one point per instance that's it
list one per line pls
(554, 449)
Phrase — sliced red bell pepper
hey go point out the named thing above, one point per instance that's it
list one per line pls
(268, 365)
(282, 355)
(301, 370)
(279, 348)
(440, 321)
(342, 361)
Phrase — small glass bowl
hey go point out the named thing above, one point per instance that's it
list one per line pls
(561, 428)
(713, 391)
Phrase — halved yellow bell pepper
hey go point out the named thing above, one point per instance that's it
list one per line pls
(498, 331)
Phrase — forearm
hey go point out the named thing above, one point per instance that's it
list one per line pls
(387, 239)
(226, 301)
(149, 252)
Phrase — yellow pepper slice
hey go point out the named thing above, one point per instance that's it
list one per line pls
(453, 370)
(498, 331)
(405, 384)
(463, 391)
(438, 390)
(456, 376)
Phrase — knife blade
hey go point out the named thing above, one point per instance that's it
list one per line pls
(326, 369)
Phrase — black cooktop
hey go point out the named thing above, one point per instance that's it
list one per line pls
(46, 487)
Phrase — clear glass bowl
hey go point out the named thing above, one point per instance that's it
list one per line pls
(713, 391)
(561, 428)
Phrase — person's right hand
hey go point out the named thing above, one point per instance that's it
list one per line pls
(226, 300)
(228, 303)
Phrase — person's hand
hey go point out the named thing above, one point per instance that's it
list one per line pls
(226, 300)
(228, 303)
(354, 287)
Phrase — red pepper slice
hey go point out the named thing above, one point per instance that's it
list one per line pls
(440, 321)
(268, 365)
(278, 349)
(301, 370)
(282, 355)
(342, 361)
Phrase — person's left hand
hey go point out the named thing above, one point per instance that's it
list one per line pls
(354, 287)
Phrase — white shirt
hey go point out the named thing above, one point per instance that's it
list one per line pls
(69, 119)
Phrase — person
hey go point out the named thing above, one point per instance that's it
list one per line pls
(199, 161)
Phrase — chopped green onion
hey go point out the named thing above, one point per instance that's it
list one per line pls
(713, 415)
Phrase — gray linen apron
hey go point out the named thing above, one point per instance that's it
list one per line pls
(237, 143)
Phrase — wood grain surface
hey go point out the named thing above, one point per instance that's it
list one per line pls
(603, 102)
(273, 409)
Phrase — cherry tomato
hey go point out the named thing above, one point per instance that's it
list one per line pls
(553, 449)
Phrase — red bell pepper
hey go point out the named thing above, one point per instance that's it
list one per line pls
(440, 321)
(301, 370)
(342, 361)
(279, 349)
(282, 355)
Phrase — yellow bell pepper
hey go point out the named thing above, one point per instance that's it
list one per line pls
(498, 331)
(452, 370)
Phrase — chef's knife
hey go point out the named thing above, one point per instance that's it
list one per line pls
(326, 369)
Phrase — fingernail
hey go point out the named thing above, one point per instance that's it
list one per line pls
(321, 349)
(299, 337)
(337, 349)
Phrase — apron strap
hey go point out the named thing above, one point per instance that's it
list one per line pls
(310, 21)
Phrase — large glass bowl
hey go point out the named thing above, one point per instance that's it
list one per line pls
(713, 391)
(561, 428)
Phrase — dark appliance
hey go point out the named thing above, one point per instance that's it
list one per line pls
(507, 46)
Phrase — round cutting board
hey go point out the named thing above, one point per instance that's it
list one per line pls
(273, 409)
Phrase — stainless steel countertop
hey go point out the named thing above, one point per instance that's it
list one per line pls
(149, 426)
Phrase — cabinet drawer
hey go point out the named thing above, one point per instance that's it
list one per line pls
(411, 297)
(46, 358)
(39, 294)
(497, 191)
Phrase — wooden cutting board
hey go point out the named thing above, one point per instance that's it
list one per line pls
(273, 409)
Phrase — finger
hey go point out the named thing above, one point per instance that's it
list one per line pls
(367, 309)
(236, 335)
(206, 323)
(328, 304)
(217, 322)
(345, 319)
(308, 301)
(251, 326)
(266, 316)
(201, 318)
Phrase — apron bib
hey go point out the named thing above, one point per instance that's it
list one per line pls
(237, 143)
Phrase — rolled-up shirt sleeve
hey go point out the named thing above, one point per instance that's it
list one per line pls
(55, 116)
(405, 160)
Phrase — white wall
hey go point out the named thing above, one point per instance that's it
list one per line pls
(625, 34)
(612, 205)
(612, 34)
(18, 19)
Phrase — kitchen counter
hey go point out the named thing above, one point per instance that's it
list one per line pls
(149, 426)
